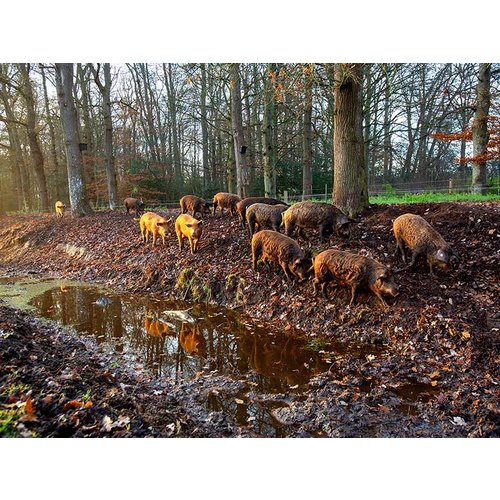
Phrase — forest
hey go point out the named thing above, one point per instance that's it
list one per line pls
(158, 131)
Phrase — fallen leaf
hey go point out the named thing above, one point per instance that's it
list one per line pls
(434, 383)
(434, 374)
(239, 401)
(466, 335)
(29, 408)
(76, 404)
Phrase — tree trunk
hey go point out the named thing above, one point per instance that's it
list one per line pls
(350, 190)
(268, 143)
(238, 138)
(77, 194)
(307, 133)
(105, 90)
(34, 143)
(204, 128)
(175, 134)
(52, 135)
(480, 135)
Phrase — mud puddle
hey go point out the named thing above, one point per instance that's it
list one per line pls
(183, 341)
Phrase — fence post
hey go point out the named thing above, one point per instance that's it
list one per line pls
(285, 196)
(450, 186)
(326, 192)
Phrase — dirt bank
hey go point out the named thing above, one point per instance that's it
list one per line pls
(442, 332)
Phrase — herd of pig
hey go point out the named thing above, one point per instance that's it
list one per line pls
(411, 232)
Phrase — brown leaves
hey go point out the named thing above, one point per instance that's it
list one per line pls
(76, 404)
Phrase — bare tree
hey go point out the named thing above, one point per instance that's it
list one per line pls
(105, 90)
(238, 138)
(307, 131)
(268, 142)
(480, 134)
(77, 192)
(34, 143)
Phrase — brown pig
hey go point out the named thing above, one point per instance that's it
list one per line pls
(135, 204)
(421, 238)
(190, 228)
(60, 206)
(195, 204)
(156, 327)
(154, 224)
(354, 270)
(324, 216)
(270, 246)
(192, 340)
(241, 206)
(262, 215)
(226, 200)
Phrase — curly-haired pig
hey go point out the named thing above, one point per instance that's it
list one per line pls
(134, 204)
(190, 228)
(154, 224)
(264, 216)
(354, 270)
(270, 246)
(323, 216)
(60, 206)
(226, 201)
(415, 233)
(242, 206)
(195, 204)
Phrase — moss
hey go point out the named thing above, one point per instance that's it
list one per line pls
(189, 285)
(8, 420)
(316, 345)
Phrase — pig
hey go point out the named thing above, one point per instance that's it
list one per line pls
(134, 203)
(324, 216)
(192, 340)
(154, 224)
(226, 200)
(354, 270)
(421, 238)
(270, 246)
(241, 206)
(60, 206)
(156, 327)
(195, 204)
(190, 228)
(264, 215)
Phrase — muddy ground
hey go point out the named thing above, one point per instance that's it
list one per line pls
(441, 333)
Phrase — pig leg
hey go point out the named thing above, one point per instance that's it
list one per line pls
(354, 293)
(191, 245)
(215, 207)
(284, 266)
(251, 228)
(289, 228)
(255, 256)
(431, 269)
(180, 237)
(380, 298)
(302, 234)
(400, 248)
(154, 237)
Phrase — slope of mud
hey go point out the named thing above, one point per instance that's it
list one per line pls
(442, 332)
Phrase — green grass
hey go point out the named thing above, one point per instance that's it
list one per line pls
(432, 198)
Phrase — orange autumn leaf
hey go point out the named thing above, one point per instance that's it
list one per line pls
(76, 404)
(434, 374)
(29, 407)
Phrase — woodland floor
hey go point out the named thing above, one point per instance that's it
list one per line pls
(441, 332)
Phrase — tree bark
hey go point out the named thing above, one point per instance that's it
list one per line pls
(480, 135)
(238, 138)
(105, 90)
(77, 192)
(204, 127)
(268, 143)
(350, 190)
(307, 133)
(33, 141)
(52, 135)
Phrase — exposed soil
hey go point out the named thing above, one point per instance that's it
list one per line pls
(441, 333)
